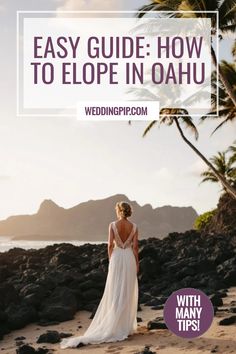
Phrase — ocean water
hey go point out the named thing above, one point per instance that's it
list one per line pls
(6, 243)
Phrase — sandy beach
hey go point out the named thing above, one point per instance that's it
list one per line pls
(219, 339)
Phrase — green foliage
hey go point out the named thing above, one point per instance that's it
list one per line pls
(219, 96)
(232, 151)
(225, 165)
(203, 220)
(225, 8)
(223, 90)
(234, 49)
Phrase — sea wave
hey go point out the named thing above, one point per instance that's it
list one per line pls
(7, 243)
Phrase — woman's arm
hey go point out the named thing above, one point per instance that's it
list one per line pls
(135, 248)
(110, 244)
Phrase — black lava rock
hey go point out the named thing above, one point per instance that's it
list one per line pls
(216, 300)
(52, 337)
(60, 306)
(228, 321)
(50, 285)
(146, 350)
(232, 309)
(49, 337)
(25, 349)
(42, 351)
(157, 323)
(19, 315)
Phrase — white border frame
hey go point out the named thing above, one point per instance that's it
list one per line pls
(18, 13)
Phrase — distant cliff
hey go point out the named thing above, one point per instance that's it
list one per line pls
(89, 221)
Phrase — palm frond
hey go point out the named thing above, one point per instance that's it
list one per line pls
(209, 179)
(142, 11)
(149, 127)
(228, 28)
(143, 93)
(190, 125)
(224, 165)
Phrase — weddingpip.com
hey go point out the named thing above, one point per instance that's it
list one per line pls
(115, 111)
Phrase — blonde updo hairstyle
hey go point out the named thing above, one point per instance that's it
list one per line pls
(123, 209)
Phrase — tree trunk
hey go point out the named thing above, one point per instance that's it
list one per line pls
(221, 179)
(223, 78)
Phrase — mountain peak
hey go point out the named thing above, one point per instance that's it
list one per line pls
(89, 220)
(48, 205)
(119, 197)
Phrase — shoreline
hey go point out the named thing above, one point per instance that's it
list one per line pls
(218, 339)
(7, 244)
(54, 284)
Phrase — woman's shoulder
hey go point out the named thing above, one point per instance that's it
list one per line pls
(112, 224)
(116, 222)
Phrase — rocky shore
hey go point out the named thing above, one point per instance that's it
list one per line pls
(50, 285)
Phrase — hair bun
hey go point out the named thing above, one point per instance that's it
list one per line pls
(124, 209)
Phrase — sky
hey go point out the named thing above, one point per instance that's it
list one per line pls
(70, 161)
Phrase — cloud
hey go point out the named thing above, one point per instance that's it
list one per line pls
(86, 5)
(164, 174)
(2, 5)
(4, 178)
(196, 168)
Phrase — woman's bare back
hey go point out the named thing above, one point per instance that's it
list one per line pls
(124, 228)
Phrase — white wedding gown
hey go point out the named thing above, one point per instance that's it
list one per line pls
(116, 315)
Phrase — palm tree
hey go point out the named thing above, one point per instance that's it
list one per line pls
(178, 116)
(226, 108)
(232, 151)
(234, 50)
(224, 166)
(227, 21)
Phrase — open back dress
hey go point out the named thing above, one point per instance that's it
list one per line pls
(116, 315)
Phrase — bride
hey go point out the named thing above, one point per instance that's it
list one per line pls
(115, 318)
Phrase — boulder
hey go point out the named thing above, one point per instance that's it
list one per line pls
(27, 349)
(228, 321)
(8, 295)
(52, 337)
(19, 315)
(216, 300)
(146, 350)
(56, 313)
(232, 309)
(157, 323)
